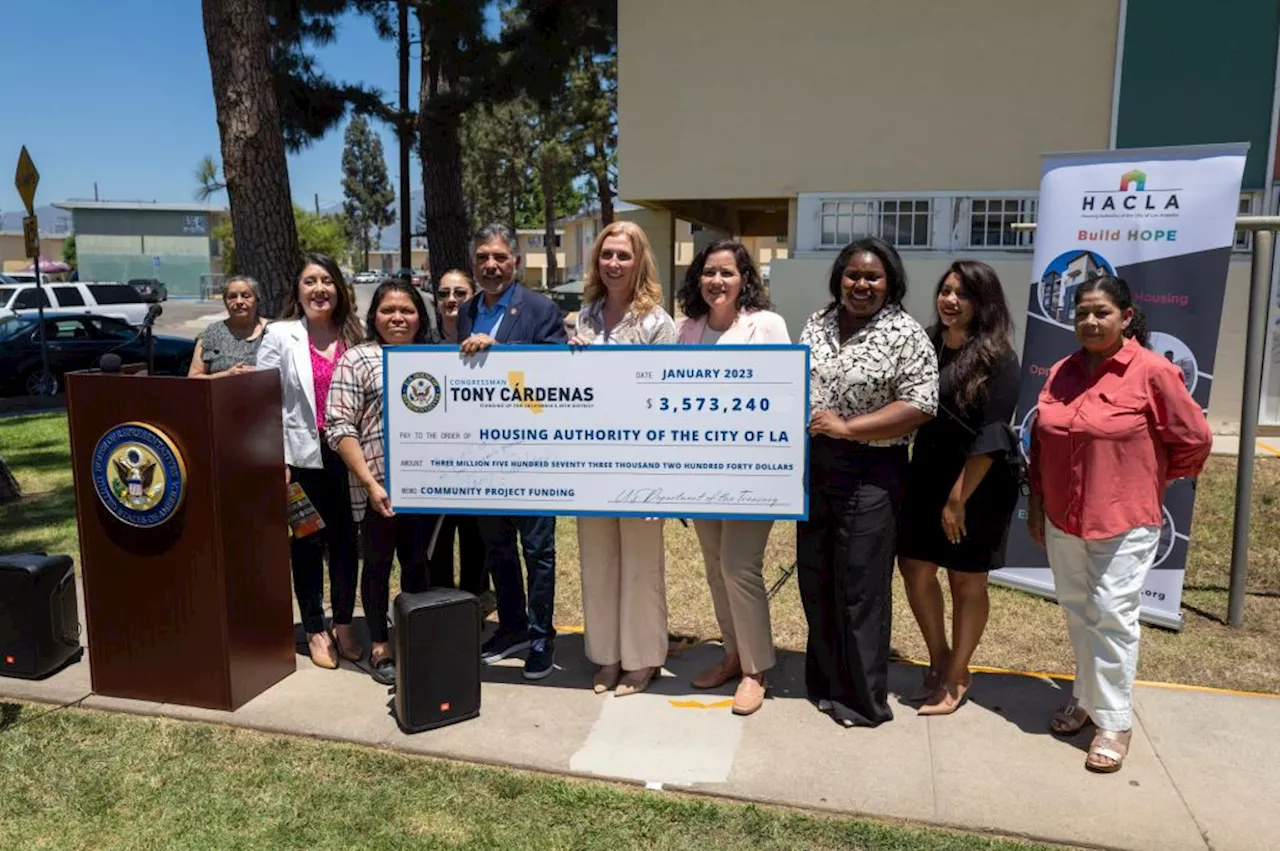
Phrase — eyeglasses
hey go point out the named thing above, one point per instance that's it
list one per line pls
(459, 293)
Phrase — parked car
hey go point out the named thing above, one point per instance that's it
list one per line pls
(30, 277)
(77, 341)
(150, 289)
(119, 301)
(367, 277)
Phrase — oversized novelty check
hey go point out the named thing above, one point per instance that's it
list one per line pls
(651, 431)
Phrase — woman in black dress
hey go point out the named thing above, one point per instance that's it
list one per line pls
(961, 486)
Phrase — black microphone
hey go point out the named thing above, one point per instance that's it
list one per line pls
(110, 362)
(152, 313)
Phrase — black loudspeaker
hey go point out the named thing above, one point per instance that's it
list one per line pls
(39, 623)
(437, 658)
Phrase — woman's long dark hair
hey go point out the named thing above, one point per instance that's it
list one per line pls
(386, 288)
(750, 297)
(990, 332)
(895, 273)
(1118, 291)
(344, 307)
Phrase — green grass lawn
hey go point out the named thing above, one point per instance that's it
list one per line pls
(78, 780)
(1025, 632)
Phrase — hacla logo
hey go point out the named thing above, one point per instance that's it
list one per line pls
(1133, 180)
(1132, 196)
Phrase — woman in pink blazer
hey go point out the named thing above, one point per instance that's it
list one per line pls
(724, 301)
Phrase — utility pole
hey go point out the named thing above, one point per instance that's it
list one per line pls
(403, 133)
(317, 203)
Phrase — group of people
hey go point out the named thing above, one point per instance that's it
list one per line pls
(912, 460)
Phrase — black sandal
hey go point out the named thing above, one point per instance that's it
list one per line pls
(384, 670)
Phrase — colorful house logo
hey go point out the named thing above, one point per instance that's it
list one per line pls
(1133, 181)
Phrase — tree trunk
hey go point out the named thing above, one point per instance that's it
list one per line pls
(548, 176)
(439, 128)
(605, 193)
(253, 155)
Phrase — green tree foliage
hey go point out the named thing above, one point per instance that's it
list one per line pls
(369, 198)
(312, 103)
(496, 161)
(322, 234)
(209, 180)
(69, 251)
(225, 234)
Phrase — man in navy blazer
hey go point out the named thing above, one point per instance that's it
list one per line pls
(504, 312)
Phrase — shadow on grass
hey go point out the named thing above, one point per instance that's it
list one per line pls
(9, 715)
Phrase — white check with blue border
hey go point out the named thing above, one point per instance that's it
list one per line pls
(646, 431)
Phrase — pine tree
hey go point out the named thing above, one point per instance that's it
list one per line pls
(369, 199)
(238, 39)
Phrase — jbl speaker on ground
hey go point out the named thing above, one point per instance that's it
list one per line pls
(437, 637)
(39, 623)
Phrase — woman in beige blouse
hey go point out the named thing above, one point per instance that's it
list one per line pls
(724, 301)
(624, 595)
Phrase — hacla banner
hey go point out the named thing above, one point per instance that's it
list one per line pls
(1163, 219)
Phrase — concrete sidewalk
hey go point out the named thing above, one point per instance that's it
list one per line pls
(1204, 770)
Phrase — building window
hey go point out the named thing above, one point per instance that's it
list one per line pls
(538, 241)
(991, 222)
(1250, 205)
(907, 223)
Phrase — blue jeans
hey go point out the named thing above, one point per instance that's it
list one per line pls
(538, 540)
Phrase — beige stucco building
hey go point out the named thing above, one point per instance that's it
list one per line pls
(13, 250)
(817, 121)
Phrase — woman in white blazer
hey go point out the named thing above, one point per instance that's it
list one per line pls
(724, 301)
(317, 325)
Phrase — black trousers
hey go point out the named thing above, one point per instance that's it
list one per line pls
(404, 536)
(844, 556)
(472, 576)
(327, 490)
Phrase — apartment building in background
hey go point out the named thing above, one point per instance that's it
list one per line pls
(803, 125)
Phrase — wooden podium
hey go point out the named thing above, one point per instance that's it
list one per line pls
(190, 604)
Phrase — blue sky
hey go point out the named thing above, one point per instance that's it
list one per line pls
(118, 92)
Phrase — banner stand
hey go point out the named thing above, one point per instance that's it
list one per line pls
(1163, 219)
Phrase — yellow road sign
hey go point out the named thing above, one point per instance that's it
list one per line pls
(27, 179)
(31, 237)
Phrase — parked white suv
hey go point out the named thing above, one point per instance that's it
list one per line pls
(119, 301)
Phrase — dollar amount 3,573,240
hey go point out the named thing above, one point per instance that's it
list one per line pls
(708, 403)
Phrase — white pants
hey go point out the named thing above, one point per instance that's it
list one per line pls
(1099, 586)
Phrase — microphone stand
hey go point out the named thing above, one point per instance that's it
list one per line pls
(152, 313)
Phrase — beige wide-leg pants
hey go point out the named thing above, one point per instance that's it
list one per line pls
(624, 592)
(733, 551)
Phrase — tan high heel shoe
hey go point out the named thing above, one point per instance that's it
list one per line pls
(320, 646)
(635, 682)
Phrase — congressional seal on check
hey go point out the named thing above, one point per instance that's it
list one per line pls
(650, 431)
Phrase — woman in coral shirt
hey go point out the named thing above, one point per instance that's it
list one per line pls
(1114, 425)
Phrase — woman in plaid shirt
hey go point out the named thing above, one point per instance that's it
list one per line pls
(396, 317)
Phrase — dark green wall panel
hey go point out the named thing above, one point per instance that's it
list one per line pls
(1200, 71)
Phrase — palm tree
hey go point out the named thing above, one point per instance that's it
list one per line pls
(208, 183)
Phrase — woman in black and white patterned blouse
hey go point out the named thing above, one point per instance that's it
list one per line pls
(873, 381)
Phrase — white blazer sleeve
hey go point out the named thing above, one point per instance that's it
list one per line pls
(271, 352)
